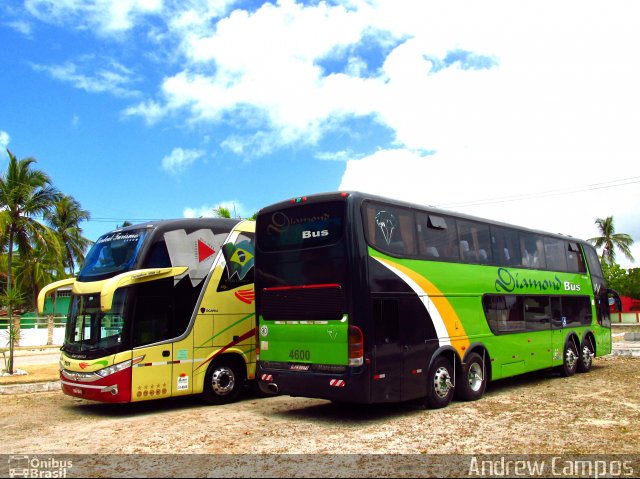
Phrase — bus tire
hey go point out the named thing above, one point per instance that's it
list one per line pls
(440, 386)
(223, 382)
(587, 354)
(472, 382)
(570, 358)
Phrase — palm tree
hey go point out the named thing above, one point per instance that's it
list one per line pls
(25, 193)
(609, 240)
(222, 212)
(65, 218)
(36, 269)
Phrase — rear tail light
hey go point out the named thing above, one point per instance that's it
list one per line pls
(356, 346)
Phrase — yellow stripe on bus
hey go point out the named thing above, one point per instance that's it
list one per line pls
(456, 334)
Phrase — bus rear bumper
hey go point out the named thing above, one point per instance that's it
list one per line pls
(334, 387)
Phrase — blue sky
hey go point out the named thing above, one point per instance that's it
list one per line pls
(524, 112)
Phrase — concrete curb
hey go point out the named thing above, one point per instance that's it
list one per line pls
(30, 388)
(631, 352)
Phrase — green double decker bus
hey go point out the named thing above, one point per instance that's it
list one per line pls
(369, 300)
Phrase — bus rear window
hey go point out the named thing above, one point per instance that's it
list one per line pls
(301, 226)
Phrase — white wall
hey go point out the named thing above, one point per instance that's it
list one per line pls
(38, 337)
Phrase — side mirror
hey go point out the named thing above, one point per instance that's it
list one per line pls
(614, 300)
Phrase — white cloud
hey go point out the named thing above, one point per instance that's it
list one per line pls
(21, 26)
(150, 110)
(264, 65)
(235, 207)
(4, 139)
(510, 98)
(180, 159)
(107, 16)
(113, 78)
(343, 155)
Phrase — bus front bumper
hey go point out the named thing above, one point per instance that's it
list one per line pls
(115, 388)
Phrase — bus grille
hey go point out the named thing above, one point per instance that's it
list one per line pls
(303, 303)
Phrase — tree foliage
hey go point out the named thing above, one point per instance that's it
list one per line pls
(625, 282)
(609, 241)
(40, 235)
(64, 218)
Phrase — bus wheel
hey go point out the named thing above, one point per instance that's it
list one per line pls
(222, 383)
(472, 383)
(586, 358)
(570, 362)
(439, 384)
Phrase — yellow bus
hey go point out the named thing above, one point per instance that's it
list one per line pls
(161, 310)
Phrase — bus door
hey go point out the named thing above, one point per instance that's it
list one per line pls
(387, 366)
(538, 319)
(603, 303)
(166, 370)
(557, 332)
(152, 377)
(182, 371)
(400, 349)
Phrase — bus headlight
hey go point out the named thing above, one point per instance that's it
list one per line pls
(108, 371)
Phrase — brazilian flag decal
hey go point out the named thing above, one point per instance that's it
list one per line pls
(240, 258)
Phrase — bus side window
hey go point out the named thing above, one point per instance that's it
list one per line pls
(438, 237)
(556, 312)
(505, 246)
(475, 242)
(504, 313)
(576, 311)
(537, 313)
(532, 248)
(555, 254)
(391, 229)
(158, 256)
(153, 320)
(575, 261)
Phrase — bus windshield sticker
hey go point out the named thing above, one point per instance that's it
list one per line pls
(196, 250)
(387, 224)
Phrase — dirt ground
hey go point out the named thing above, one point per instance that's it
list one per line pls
(539, 413)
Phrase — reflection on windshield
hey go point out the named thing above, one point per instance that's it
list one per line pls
(88, 329)
(112, 254)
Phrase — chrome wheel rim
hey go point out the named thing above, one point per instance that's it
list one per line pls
(587, 356)
(475, 377)
(442, 382)
(571, 359)
(223, 380)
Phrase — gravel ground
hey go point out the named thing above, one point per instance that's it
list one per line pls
(539, 413)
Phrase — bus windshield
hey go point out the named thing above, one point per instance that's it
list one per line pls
(112, 254)
(89, 329)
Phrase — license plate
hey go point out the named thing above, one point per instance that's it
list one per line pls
(299, 367)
